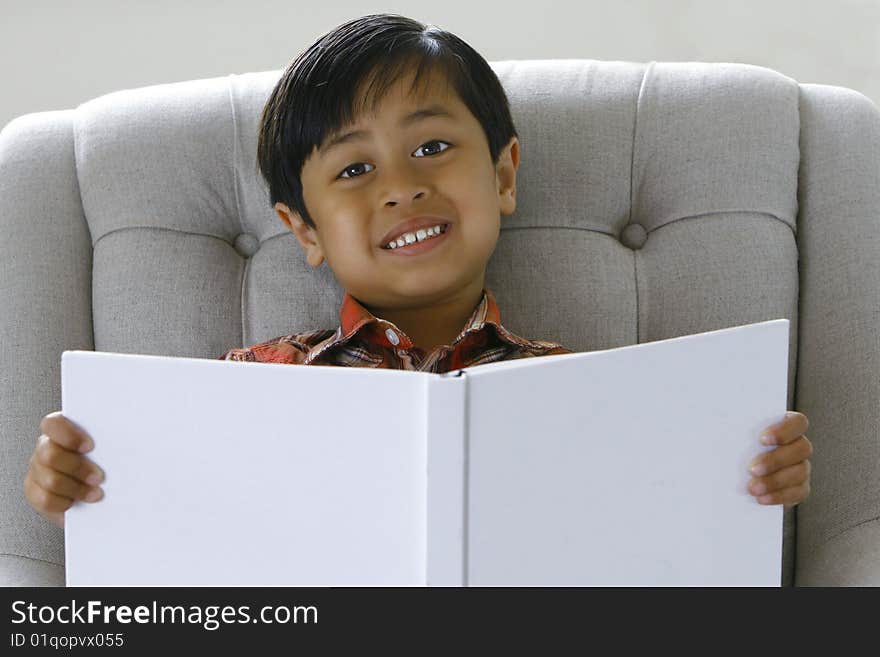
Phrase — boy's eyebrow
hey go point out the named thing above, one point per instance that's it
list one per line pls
(418, 115)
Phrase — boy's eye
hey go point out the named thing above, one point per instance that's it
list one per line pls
(434, 141)
(353, 166)
(356, 165)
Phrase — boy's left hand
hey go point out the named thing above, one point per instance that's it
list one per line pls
(786, 475)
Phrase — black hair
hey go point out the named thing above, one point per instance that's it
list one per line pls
(316, 94)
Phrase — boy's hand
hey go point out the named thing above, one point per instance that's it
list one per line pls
(786, 476)
(59, 473)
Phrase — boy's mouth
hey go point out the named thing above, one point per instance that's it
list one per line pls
(408, 239)
(432, 240)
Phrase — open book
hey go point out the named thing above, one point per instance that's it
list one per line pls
(621, 467)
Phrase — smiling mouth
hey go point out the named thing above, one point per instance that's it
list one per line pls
(443, 229)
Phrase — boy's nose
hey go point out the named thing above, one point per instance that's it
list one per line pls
(394, 198)
(402, 185)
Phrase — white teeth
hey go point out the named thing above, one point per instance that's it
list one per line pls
(410, 238)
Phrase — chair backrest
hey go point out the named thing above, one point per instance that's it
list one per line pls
(654, 200)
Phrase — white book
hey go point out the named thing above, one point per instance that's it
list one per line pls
(621, 467)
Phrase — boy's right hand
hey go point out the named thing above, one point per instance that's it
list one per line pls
(59, 472)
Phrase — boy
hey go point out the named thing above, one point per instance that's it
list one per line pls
(389, 151)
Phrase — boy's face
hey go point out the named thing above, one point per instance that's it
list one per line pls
(359, 190)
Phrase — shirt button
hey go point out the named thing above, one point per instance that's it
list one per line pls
(392, 337)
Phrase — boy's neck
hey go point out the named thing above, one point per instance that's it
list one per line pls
(436, 325)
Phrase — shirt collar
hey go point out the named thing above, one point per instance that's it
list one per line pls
(354, 318)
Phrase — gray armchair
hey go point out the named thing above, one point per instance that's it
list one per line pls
(655, 200)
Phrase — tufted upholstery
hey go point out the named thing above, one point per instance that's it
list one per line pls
(655, 200)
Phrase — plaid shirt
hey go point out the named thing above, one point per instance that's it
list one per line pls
(364, 340)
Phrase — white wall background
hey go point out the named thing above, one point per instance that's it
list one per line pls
(56, 54)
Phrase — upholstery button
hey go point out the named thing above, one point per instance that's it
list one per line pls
(634, 236)
(392, 337)
(247, 245)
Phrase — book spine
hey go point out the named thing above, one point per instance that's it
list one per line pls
(446, 536)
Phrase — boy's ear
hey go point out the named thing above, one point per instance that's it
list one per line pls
(505, 172)
(306, 235)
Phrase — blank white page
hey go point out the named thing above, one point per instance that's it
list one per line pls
(224, 473)
(626, 467)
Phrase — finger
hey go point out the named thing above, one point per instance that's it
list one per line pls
(788, 496)
(793, 475)
(62, 431)
(43, 500)
(51, 455)
(781, 457)
(63, 485)
(790, 428)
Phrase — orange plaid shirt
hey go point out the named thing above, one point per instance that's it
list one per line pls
(364, 340)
